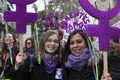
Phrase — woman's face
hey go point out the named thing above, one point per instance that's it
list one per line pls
(28, 43)
(52, 43)
(20, 58)
(77, 44)
(8, 38)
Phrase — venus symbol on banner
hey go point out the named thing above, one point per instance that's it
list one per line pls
(104, 31)
(20, 16)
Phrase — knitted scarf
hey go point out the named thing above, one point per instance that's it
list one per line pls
(77, 62)
(50, 62)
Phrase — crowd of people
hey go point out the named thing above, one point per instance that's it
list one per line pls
(60, 60)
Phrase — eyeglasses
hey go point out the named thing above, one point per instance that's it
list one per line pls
(50, 41)
(28, 43)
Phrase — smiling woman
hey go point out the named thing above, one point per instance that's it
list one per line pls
(29, 47)
(49, 67)
(77, 57)
(8, 54)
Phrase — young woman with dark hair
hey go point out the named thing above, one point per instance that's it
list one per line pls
(76, 58)
(29, 49)
(9, 45)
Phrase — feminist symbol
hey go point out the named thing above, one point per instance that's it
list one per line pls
(103, 30)
(21, 17)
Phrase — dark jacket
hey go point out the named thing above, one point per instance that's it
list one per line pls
(29, 52)
(114, 67)
(6, 66)
(85, 74)
(37, 72)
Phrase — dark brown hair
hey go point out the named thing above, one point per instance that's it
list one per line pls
(32, 42)
(67, 49)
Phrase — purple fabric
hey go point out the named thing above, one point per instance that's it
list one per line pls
(20, 16)
(21, 2)
(104, 31)
(50, 62)
(50, 20)
(78, 62)
(29, 52)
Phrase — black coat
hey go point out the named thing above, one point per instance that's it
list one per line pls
(8, 67)
(37, 72)
(85, 74)
(114, 67)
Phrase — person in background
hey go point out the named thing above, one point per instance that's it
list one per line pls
(60, 32)
(62, 48)
(76, 58)
(114, 59)
(29, 49)
(16, 70)
(49, 68)
(63, 43)
(9, 45)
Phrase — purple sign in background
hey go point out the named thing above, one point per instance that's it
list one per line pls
(74, 20)
(51, 20)
(21, 17)
(104, 31)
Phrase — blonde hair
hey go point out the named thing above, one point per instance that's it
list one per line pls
(43, 39)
